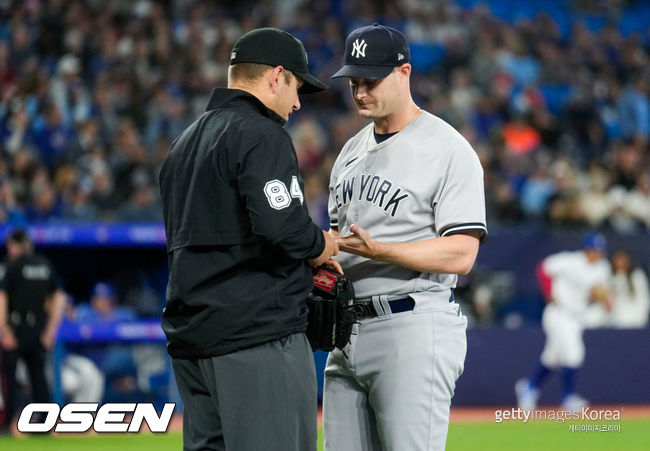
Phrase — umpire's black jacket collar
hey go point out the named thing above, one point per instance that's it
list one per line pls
(224, 97)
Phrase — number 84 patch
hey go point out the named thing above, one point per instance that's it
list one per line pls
(279, 197)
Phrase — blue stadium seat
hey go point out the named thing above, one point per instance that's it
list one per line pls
(425, 56)
(556, 96)
(594, 23)
(636, 21)
(561, 17)
(467, 4)
(503, 11)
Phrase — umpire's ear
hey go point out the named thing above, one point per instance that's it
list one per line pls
(274, 78)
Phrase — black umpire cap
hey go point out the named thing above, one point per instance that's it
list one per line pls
(276, 48)
(372, 52)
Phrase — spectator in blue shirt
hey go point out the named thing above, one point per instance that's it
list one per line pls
(634, 111)
(115, 361)
(102, 306)
(52, 137)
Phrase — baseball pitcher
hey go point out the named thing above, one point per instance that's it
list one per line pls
(407, 204)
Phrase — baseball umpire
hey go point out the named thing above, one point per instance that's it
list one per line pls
(407, 201)
(31, 307)
(240, 244)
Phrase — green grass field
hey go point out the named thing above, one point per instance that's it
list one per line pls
(475, 436)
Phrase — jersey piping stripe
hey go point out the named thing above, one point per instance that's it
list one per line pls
(482, 238)
(463, 227)
(350, 162)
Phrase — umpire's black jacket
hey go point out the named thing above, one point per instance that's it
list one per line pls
(238, 231)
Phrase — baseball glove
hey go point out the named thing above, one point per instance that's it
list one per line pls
(602, 294)
(330, 312)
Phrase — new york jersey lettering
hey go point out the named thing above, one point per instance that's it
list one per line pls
(373, 189)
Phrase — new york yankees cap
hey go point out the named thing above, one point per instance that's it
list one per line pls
(276, 47)
(373, 51)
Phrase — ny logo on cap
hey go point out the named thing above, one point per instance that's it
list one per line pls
(359, 48)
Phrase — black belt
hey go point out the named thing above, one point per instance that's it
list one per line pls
(366, 309)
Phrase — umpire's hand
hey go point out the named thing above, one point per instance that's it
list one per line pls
(331, 249)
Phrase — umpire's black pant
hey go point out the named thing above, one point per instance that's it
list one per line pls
(34, 355)
(261, 398)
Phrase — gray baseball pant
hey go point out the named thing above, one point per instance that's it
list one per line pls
(260, 398)
(392, 389)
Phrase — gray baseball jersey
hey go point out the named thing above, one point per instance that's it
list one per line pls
(424, 182)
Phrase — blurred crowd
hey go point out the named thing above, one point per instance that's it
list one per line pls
(486, 296)
(555, 103)
(123, 370)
